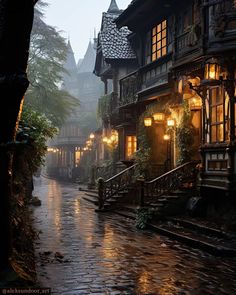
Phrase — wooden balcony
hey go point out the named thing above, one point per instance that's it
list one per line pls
(188, 43)
(151, 76)
(108, 107)
(222, 26)
(129, 87)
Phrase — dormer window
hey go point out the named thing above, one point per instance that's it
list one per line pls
(159, 40)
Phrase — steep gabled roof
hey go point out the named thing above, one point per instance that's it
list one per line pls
(70, 64)
(113, 41)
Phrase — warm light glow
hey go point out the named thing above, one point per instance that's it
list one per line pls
(158, 117)
(170, 122)
(212, 70)
(195, 103)
(147, 122)
(131, 146)
(105, 139)
(92, 136)
(166, 137)
(180, 86)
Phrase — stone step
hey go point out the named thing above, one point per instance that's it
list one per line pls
(90, 194)
(200, 228)
(211, 244)
(125, 213)
(90, 200)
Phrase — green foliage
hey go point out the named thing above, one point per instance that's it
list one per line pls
(143, 154)
(143, 215)
(47, 56)
(185, 136)
(34, 130)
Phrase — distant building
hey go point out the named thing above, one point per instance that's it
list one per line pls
(65, 150)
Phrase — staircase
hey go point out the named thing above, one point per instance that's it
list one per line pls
(165, 191)
(113, 191)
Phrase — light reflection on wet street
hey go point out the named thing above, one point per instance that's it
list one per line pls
(103, 253)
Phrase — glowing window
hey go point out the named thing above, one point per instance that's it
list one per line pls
(131, 146)
(159, 42)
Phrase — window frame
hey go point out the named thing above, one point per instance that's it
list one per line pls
(130, 150)
(156, 42)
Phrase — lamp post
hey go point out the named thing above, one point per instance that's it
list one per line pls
(167, 138)
(218, 93)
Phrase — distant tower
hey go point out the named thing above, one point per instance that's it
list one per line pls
(89, 86)
(69, 78)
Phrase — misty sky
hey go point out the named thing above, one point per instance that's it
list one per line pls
(77, 19)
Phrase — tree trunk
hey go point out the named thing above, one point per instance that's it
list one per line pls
(16, 19)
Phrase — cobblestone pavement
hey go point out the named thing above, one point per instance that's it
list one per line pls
(84, 252)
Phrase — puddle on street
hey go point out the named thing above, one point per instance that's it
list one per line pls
(103, 253)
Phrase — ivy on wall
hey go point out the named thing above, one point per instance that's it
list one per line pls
(185, 135)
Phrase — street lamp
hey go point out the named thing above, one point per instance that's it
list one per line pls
(147, 121)
(158, 117)
(170, 122)
(91, 136)
(212, 71)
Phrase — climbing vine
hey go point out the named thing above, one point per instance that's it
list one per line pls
(185, 135)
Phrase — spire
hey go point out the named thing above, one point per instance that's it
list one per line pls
(113, 7)
(87, 64)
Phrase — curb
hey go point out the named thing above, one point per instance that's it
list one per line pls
(215, 250)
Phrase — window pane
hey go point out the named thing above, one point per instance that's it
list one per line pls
(154, 39)
(154, 31)
(158, 53)
(164, 42)
(220, 113)
(163, 51)
(159, 37)
(154, 56)
(154, 48)
(219, 96)
(159, 45)
(159, 28)
(213, 96)
(164, 24)
(220, 133)
(164, 33)
(213, 115)
(213, 133)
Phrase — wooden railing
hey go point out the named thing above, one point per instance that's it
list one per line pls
(185, 41)
(115, 184)
(105, 171)
(170, 181)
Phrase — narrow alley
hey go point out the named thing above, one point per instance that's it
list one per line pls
(80, 251)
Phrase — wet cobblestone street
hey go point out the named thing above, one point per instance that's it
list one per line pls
(103, 253)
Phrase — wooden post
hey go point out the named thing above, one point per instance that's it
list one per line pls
(100, 193)
(141, 181)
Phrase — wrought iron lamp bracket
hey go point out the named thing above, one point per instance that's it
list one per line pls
(200, 90)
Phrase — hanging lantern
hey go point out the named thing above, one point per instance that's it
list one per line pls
(170, 122)
(147, 122)
(159, 117)
(212, 70)
(91, 136)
